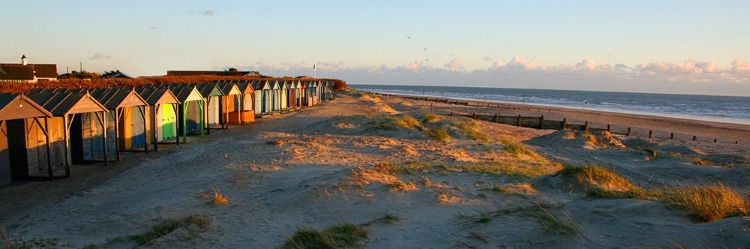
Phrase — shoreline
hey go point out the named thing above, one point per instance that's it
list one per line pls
(553, 107)
(641, 123)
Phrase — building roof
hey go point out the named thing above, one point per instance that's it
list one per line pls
(215, 73)
(16, 72)
(27, 72)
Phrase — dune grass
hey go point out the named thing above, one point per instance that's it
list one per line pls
(169, 225)
(521, 189)
(473, 131)
(342, 235)
(431, 117)
(406, 121)
(552, 222)
(217, 198)
(516, 148)
(602, 182)
(439, 134)
(709, 202)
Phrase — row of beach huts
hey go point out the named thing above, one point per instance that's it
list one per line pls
(45, 131)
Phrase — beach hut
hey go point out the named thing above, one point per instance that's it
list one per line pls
(283, 96)
(127, 115)
(190, 113)
(297, 85)
(163, 108)
(275, 96)
(291, 94)
(81, 120)
(231, 96)
(212, 108)
(313, 89)
(23, 123)
(262, 90)
(305, 96)
(242, 109)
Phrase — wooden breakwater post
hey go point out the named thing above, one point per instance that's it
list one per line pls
(495, 117)
(565, 124)
(630, 131)
(671, 135)
(430, 107)
(519, 120)
(586, 126)
(541, 123)
(608, 127)
(714, 140)
(650, 133)
(695, 138)
(473, 115)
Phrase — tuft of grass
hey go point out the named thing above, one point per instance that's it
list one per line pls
(516, 148)
(430, 117)
(709, 202)
(473, 131)
(402, 186)
(590, 138)
(601, 182)
(699, 161)
(651, 153)
(342, 235)
(553, 222)
(522, 189)
(439, 134)
(406, 121)
(388, 218)
(169, 225)
(217, 199)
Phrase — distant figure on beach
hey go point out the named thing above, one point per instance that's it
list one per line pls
(585, 102)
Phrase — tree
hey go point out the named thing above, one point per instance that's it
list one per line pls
(231, 69)
(109, 74)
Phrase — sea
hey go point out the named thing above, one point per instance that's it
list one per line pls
(728, 109)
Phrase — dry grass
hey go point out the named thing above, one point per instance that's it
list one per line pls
(553, 222)
(522, 189)
(473, 131)
(169, 225)
(709, 202)
(699, 161)
(590, 138)
(516, 148)
(602, 182)
(431, 117)
(406, 121)
(439, 134)
(217, 199)
(342, 235)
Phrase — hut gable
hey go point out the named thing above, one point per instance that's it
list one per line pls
(15, 106)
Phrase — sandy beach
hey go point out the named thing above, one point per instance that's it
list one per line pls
(410, 177)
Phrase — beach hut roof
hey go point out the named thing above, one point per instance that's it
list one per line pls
(117, 97)
(184, 92)
(61, 103)
(245, 86)
(207, 90)
(15, 106)
(155, 95)
(229, 88)
(261, 85)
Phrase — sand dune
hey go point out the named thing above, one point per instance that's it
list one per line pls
(360, 158)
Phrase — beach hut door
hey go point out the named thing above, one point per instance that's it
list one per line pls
(167, 121)
(139, 131)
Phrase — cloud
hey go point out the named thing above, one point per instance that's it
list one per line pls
(454, 65)
(518, 64)
(487, 58)
(588, 64)
(740, 65)
(153, 27)
(207, 12)
(99, 56)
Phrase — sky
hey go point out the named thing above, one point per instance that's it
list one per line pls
(693, 47)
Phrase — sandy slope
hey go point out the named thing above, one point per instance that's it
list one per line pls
(319, 166)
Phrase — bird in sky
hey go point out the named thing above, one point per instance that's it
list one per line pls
(425, 48)
(408, 37)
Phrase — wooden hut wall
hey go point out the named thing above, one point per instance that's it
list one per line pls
(5, 172)
(27, 146)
